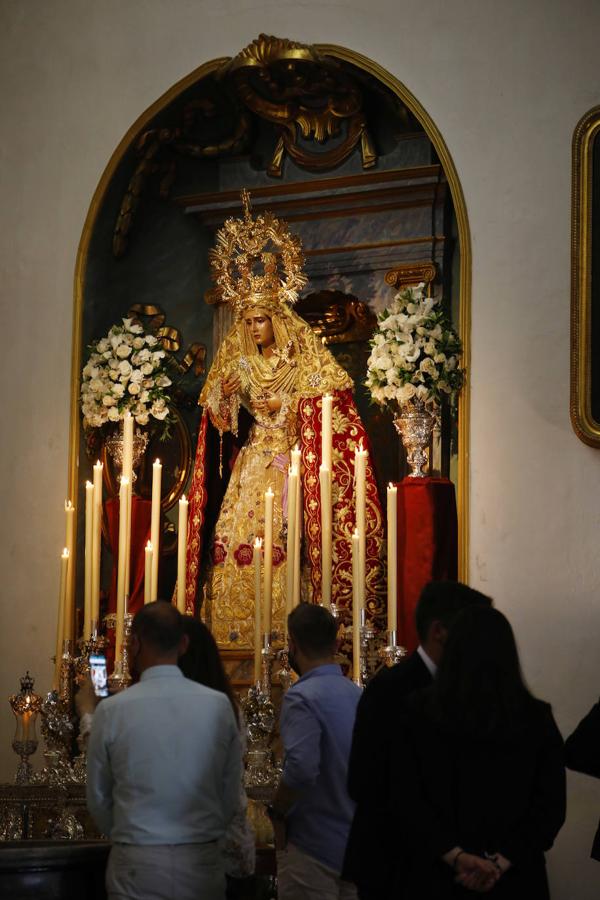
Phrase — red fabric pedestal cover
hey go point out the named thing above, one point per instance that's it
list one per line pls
(140, 535)
(427, 545)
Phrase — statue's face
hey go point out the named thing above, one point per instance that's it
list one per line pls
(260, 327)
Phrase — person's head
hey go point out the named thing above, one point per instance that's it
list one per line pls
(258, 322)
(312, 639)
(439, 604)
(201, 661)
(479, 688)
(157, 636)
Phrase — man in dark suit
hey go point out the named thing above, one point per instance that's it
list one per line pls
(582, 754)
(371, 860)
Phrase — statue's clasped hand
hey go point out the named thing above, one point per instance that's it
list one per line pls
(230, 385)
(268, 405)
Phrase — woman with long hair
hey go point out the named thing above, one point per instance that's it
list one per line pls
(202, 663)
(479, 777)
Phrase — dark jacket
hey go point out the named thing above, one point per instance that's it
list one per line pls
(371, 854)
(582, 752)
(501, 794)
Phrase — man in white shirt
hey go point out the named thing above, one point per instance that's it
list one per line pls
(163, 772)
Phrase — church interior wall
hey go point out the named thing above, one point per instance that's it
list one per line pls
(505, 85)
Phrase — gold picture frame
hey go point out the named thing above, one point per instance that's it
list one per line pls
(585, 280)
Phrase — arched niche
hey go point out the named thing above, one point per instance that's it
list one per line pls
(177, 173)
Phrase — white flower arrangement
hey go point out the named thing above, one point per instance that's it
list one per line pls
(415, 353)
(126, 370)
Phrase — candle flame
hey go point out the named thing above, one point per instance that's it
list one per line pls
(68, 504)
(149, 545)
(157, 461)
(65, 553)
(258, 543)
(89, 485)
(183, 499)
(98, 465)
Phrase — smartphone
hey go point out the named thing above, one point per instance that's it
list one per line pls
(98, 673)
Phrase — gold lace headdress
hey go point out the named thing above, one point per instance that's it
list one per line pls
(257, 262)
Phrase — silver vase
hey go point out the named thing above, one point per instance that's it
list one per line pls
(114, 445)
(415, 426)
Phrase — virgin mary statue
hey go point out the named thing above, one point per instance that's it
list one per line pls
(263, 396)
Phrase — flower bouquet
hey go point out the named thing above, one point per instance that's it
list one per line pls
(414, 366)
(126, 370)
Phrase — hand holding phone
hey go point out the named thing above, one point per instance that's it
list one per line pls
(98, 674)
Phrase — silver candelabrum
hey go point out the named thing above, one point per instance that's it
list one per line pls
(392, 653)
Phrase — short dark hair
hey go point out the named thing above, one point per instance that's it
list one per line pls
(313, 628)
(202, 662)
(159, 624)
(442, 601)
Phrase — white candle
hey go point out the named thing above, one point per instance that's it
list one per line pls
(360, 494)
(268, 562)
(181, 553)
(97, 544)
(326, 431)
(295, 457)
(122, 568)
(60, 624)
(69, 617)
(148, 572)
(89, 553)
(356, 607)
(392, 549)
(155, 526)
(292, 494)
(326, 537)
(128, 423)
(257, 616)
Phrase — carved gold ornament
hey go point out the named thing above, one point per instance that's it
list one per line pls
(266, 242)
(305, 94)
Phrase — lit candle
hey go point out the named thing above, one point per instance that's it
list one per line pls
(155, 526)
(122, 569)
(89, 553)
(257, 626)
(62, 603)
(360, 498)
(356, 607)
(325, 483)
(97, 545)
(148, 572)
(268, 562)
(69, 618)
(392, 549)
(292, 494)
(181, 553)
(326, 431)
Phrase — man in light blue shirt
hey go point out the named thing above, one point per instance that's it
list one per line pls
(163, 771)
(312, 811)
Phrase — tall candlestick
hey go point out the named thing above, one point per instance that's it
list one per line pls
(268, 562)
(122, 569)
(60, 624)
(326, 536)
(326, 431)
(257, 611)
(392, 550)
(155, 526)
(360, 492)
(69, 617)
(181, 553)
(148, 572)
(356, 607)
(97, 544)
(292, 494)
(89, 565)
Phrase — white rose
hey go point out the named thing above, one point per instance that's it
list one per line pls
(113, 374)
(103, 346)
(96, 385)
(158, 354)
(385, 362)
(136, 376)
(439, 358)
(144, 397)
(406, 393)
(147, 368)
(430, 348)
(118, 390)
(163, 381)
(389, 392)
(113, 414)
(428, 366)
(124, 368)
(113, 363)
(159, 414)
(138, 343)
(115, 341)
(142, 418)
(107, 400)
(134, 388)
(422, 392)
(144, 355)
(123, 351)
(136, 329)
(151, 340)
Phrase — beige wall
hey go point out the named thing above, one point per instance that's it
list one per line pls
(505, 83)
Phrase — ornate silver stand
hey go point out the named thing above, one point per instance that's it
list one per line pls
(285, 673)
(393, 652)
(267, 657)
(262, 774)
(120, 678)
(367, 634)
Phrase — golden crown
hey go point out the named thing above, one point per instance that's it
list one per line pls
(257, 262)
